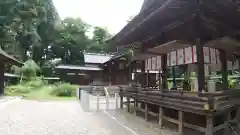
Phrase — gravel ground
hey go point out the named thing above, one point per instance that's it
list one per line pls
(26, 117)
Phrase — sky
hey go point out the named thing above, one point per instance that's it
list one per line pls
(112, 14)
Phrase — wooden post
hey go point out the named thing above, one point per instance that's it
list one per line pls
(146, 111)
(121, 102)
(116, 97)
(135, 107)
(147, 79)
(200, 65)
(174, 87)
(159, 80)
(128, 104)
(160, 117)
(98, 101)
(110, 74)
(224, 69)
(180, 125)
(164, 72)
(209, 125)
(143, 74)
(2, 80)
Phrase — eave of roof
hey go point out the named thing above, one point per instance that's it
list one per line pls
(75, 67)
(9, 59)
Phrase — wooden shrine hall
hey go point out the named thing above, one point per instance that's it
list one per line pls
(4, 60)
(200, 33)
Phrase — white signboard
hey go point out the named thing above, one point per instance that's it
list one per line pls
(168, 59)
(159, 62)
(154, 63)
(180, 57)
(188, 55)
(194, 54)
(149, 63)
(229, 65)
(206, 54)
(146, 64)
(236, 64)
(213, 56)
(173, 58)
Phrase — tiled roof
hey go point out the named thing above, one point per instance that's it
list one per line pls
(96, 58)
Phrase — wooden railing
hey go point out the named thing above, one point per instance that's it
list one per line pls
(200, 103)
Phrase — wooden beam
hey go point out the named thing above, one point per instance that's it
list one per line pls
(169, 47)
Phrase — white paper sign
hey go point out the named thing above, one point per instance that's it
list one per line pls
(173, 58)
(154, 63)
(236, 64)
(180, 57)
(188, 55)
(206, 54)
(149, 63)
(229, 65)
(213, 56)
(146, 64)
(219, 65)
(159, 62)
(194, 53)
(168, 59)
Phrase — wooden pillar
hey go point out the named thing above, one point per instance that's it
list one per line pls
(143, 73)
(159, 80)
(224, 69)
(174, 87)
(135, 107)
(228, 118)
(146, 111)
(121, 98)
(110, 74)
(164, 71)
(2, 78)
(209, 125)
(130, 73)
(200, 65)
(128, 104)
(160, 117)
(147, 79)
(180, 124)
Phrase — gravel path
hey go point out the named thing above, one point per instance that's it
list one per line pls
(26, 117)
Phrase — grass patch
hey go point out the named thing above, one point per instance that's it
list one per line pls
(39, 90)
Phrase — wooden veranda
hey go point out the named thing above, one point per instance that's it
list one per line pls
(167, 26)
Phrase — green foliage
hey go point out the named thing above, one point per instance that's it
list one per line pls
(64, 90)
(38, 89)
(19, 89)
(30, 69)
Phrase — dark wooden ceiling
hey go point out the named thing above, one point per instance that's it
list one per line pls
(177, 19)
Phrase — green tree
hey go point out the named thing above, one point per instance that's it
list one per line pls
(99, 44)
(71, 41)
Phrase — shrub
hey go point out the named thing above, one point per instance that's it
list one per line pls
(64, 90)
(17, 89)
(35, 83)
